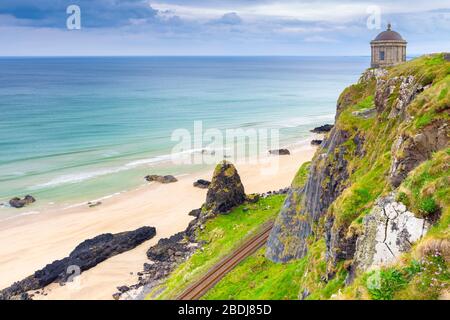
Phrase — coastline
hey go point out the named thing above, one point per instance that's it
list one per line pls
(55, 233)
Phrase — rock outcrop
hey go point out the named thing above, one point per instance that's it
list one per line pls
(409, 151)
(389, 230)
(323, 129)
(20, 203)
(226, 190)
(202, 184)
(85, 256)
(280, 152)
(161, 179)
(304, 207)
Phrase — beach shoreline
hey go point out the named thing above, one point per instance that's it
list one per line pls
(54, 234)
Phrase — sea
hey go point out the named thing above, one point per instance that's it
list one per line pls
(78, 129)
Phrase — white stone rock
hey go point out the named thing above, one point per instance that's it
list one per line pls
(389, 231)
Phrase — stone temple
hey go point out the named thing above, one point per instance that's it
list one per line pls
(388, 49)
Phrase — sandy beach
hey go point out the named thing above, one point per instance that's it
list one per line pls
(30, 242)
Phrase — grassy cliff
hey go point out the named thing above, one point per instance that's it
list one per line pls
(391, 138)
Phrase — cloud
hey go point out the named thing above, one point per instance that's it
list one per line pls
(94, 14)
(217, 26)
(231, 18)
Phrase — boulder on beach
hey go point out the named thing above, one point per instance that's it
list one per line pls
(202, 184)
(161, 179)
(323, 129)
(316, 142)
(280, 152)
(85, 256)
(20, 203)
(226, 190)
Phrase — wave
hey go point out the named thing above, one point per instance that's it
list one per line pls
(28, 213)
(84, 176)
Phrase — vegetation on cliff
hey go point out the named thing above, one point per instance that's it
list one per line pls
(221, 236)
(391, 137)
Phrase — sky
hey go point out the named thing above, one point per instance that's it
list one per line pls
(219, 27)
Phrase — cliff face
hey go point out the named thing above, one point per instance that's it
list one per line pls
(387, 125)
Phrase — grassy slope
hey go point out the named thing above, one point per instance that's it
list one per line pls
(256, 276)
(222, 235)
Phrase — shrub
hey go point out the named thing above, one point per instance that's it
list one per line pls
(428, 206)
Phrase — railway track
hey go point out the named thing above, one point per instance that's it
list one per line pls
(200, 287)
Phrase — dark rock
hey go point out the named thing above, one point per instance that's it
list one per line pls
(85, 256)
(323, 129)
(226, 190)
(94, 204)
(116, 296)
(316, 142)
(165, 248)
(20, 203)
(123, 289)
(280, 152)
(447, 56)
(252, 198)
(161, 179)
(202, 184)
(195, 213)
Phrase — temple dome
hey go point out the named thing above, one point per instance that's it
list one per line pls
(389, 35)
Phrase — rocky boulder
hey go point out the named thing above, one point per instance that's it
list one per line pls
(202, 184)
(323, 129)
(226, 190)
(388, 231)
(280, 152)
(85, 256)
(161, 179)
(316, 142)
(20, 203)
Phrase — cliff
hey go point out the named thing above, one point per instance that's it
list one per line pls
(377, 188)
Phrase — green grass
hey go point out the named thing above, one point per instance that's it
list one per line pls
(259, 278)
(301, 176)
(222, 235)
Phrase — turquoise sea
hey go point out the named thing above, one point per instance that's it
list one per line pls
(78, 129)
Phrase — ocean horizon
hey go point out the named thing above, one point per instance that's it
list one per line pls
(75, 129)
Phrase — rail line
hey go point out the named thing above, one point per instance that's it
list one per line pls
(214, 275)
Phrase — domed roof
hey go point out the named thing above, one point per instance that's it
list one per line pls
(389, 35)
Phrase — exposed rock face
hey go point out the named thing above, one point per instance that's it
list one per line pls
(284, 243)
(371, 74)
(85, 256)
(389, 231)
(409, 151)
(323, 129)
(304, 207)
(316, 142)
(202, 184)
(161, 179)
(280, 152)
(166, 248)
(365, 113)
(407, 87)
(226, 190)
(20, 203)
(341, 244)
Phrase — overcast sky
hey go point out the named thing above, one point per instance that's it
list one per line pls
(218, 27)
